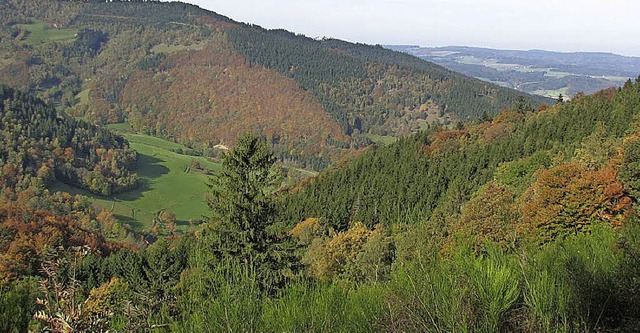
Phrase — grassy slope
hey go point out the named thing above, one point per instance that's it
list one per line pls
(168, 183)
(40, 32)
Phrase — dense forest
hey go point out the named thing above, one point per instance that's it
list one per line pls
(525, 223)
(39, 146)
(395, 183)
(168, 68)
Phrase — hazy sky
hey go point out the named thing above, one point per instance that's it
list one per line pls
(560, 25)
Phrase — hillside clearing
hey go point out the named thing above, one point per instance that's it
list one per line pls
(40, 32)
(170, 181)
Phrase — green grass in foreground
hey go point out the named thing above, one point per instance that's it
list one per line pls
(41, 32)
(168, 182)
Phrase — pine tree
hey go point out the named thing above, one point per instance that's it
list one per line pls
(241, 203)
(242, 230)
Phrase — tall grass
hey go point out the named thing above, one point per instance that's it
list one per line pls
(221, 298)
(547, 298)
(570, 285)
(495, 281)
(337, 307)
(429, 299)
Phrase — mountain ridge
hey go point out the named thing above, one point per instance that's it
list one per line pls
(158, 66)
(542, 72)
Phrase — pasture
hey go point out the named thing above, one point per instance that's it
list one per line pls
(40, 32)
(170, 181)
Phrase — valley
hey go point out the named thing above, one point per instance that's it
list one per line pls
(165, 168)
(537, 72)
(169, 181)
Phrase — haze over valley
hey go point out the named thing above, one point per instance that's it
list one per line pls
(539, 72)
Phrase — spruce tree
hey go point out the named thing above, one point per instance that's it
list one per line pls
(241, 202)
(241, 231)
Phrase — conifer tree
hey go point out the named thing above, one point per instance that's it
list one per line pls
(241, 203)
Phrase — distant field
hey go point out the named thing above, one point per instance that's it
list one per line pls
(41, 32)
(554, 93)
(381, 139)
(169, 182)
(83, 97)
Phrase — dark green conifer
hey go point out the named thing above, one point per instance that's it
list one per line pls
(240, 199)
(244, 213)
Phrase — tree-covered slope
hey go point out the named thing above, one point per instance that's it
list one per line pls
(193, 76)
(434, 173)
(39, 146)
(524, 223)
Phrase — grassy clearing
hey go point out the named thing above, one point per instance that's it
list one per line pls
(169, 181)
(381, 139)
(83, 97)
(554, 93)
(41, 32)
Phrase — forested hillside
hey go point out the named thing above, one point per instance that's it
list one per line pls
(522, 220)
(421, 175)
(39, 146)
(179, 72)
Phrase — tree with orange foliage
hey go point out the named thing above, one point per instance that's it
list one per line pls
(568, 199)
(27, 232)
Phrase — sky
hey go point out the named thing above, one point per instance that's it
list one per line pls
(556, 25)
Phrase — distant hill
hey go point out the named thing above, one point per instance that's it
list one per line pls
(182, 73)
(535, 71)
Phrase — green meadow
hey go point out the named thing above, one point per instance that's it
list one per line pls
(384, 140)
(170, 181)
(41, 32)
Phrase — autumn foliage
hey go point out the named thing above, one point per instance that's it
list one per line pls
(27, 232)
(569, 199)
(358, 254)
(490, 216)
(211, 96)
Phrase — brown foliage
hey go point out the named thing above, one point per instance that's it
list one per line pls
(211, 96)
(356, 254)
(443, 141)
(491, 215)
(568, 199)
(26, 232)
